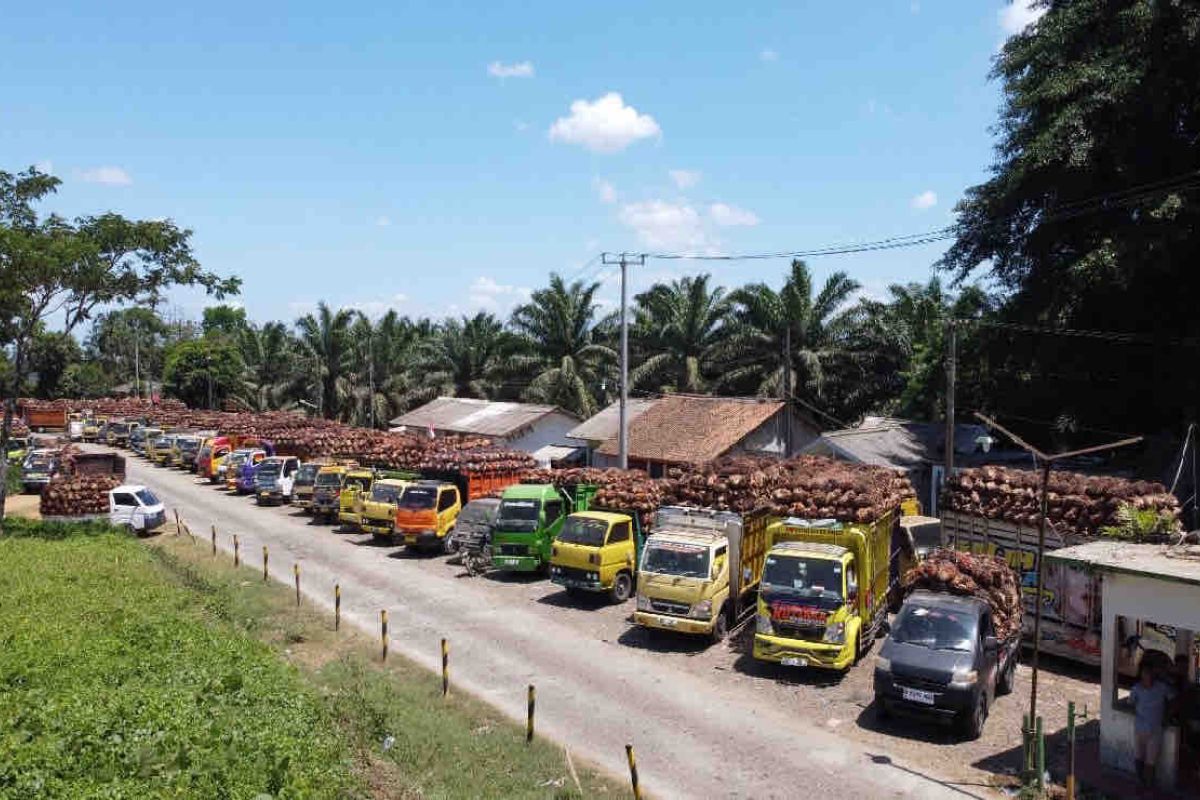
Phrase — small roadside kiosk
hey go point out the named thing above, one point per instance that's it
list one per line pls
(1150, 596)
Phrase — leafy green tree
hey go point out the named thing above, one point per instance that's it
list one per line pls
(1091, 218)
(51, 353)
(203, 372)
(226, 320)
(753, 351)
(128, 343)
(561, 351)
(327, 360)
(678, 328)
(86, 379)
(54, 269)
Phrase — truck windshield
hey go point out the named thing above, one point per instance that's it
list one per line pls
(798, 576)
(676, 558)
(583, 530)
(518, 515)
(935, 628)
(267, 471)
(307, 473)
(39, 463)
(147, 497)
(361, 483)
(417, 498)
(385, 493)
(329, 479)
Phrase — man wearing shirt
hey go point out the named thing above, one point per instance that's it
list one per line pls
(1149, 697)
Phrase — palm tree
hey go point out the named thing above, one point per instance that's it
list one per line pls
(463, 358)
(384, 375)
(267, 352)
(677, 330)
(557, 329)
(753, 349)
(328, 347)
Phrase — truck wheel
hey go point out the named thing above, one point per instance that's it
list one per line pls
(972, 722)
(720, 628)
(1004, 684)
(622, 587)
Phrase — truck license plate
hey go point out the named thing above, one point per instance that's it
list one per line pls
(795, 662)
(509, 562)
(917, 696)
(667, 622)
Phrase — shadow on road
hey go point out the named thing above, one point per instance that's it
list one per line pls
(954, 787)
(663, 641)
(747, 664)
(1008, 762)
(508, 576)
(585, 601)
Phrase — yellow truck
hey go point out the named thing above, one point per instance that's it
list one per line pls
(305, 485)
(356, 486)
(160, 449)
(824, 593)
(379, 507)
(699, 570)
(327, 491)
(597, 551)
(427, 513)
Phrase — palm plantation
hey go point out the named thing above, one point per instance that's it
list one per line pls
(328, 350)
(677, 332)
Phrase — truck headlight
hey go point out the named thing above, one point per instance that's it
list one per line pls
(643, 603)
(763, 624)
(964, 678)
(835, 633)
(702, 610)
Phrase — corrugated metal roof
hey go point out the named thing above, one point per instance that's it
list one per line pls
(603, 426)
(891, 442)
(479, 417)
(690, 429)
(553, 452)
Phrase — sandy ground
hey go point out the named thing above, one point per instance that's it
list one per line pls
(706, 721)
(23, 505)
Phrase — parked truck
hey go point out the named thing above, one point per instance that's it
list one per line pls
(529, 518)
(43, 420)
(118, 433)
(598, 551)
(184, 451)
(275, 480)
(426, 514)
(699, 570)
(825, 590)
(303, 486)
(943, 660)
(379, 507)
(356, 485)
(38, 468)
(327, 491)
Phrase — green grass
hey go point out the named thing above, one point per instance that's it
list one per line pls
(132, 669)
(12, 479)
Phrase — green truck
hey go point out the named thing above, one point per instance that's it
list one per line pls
(529, 518)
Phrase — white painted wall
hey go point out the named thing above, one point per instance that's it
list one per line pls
(550, 429)
(1136, 597)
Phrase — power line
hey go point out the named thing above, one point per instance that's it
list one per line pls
(891, 243)
(1115, 337)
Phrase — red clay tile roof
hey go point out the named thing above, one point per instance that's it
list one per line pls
(681, 429)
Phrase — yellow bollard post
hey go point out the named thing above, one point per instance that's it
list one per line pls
(529, 717)
(237, 559)
(633, 776)
(296, 571)
(383, 632)
(265, 575)
(445, 668)
(337, 606)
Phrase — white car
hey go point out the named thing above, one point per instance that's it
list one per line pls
(275, 480)
(136, 508)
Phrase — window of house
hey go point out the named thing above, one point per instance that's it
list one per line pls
(1158, 647)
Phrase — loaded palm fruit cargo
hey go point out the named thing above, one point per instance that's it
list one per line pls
(77, 495)
(987, 577)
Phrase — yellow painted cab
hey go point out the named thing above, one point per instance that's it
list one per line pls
(597, 551)
(327, 491)
(356, 485)
(160, 452)
(427, 513)
(379, 507)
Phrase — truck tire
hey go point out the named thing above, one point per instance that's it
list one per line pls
(1004, 683)
(971, 723)
(720, 628)
(622, 587)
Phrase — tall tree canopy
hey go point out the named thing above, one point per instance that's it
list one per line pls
(677, 329)
(1091, 218)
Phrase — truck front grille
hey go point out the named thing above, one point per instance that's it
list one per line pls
(804, 633)
(513, 549)
(575, 574)
(914, 682)
(668, 607)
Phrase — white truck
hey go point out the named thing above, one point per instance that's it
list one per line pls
(130, 506)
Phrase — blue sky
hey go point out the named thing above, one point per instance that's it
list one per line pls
(446, 157)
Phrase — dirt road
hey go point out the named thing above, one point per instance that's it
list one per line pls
(698, 732)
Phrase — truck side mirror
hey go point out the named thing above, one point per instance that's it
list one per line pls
(990, 644)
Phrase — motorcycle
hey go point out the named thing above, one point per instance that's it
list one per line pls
(476, 553)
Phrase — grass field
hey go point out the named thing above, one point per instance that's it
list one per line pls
(131, 669)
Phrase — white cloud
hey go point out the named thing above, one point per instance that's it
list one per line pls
(383, 221)
(109, 176)
(665, 226)
(767, 54)
(685, 178)
(605, 125)
(924, 200)
(486, 294)
(728, 216)
(606, 191)
(520, 69)
(1018, 15)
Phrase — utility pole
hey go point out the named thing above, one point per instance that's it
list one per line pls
(1046, 461)
(137, 364)
(951, 364)
(623, 415)
(787, 390)
(371, 372)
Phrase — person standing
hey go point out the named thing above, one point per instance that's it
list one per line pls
(1150, 697)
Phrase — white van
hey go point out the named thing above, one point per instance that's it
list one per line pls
(136, 508)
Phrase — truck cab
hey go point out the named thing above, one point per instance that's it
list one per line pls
(159, 450)
(379, 507)
(943, 661)
(275, 479)
(75, 427)
(699, 570)
(210, 456)
(356, 485)
(427, 513)
(117, 434)
(38, 468)
(303, 485)
(17, 449)
(327, 490)
(529, 518)
(243, 480)
(824, 592)
(597, 551)
(231, 466)
(91, 428)
(135, 508)
(184, 451)
(141, 439)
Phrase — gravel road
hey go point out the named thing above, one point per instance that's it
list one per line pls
(698, 730)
